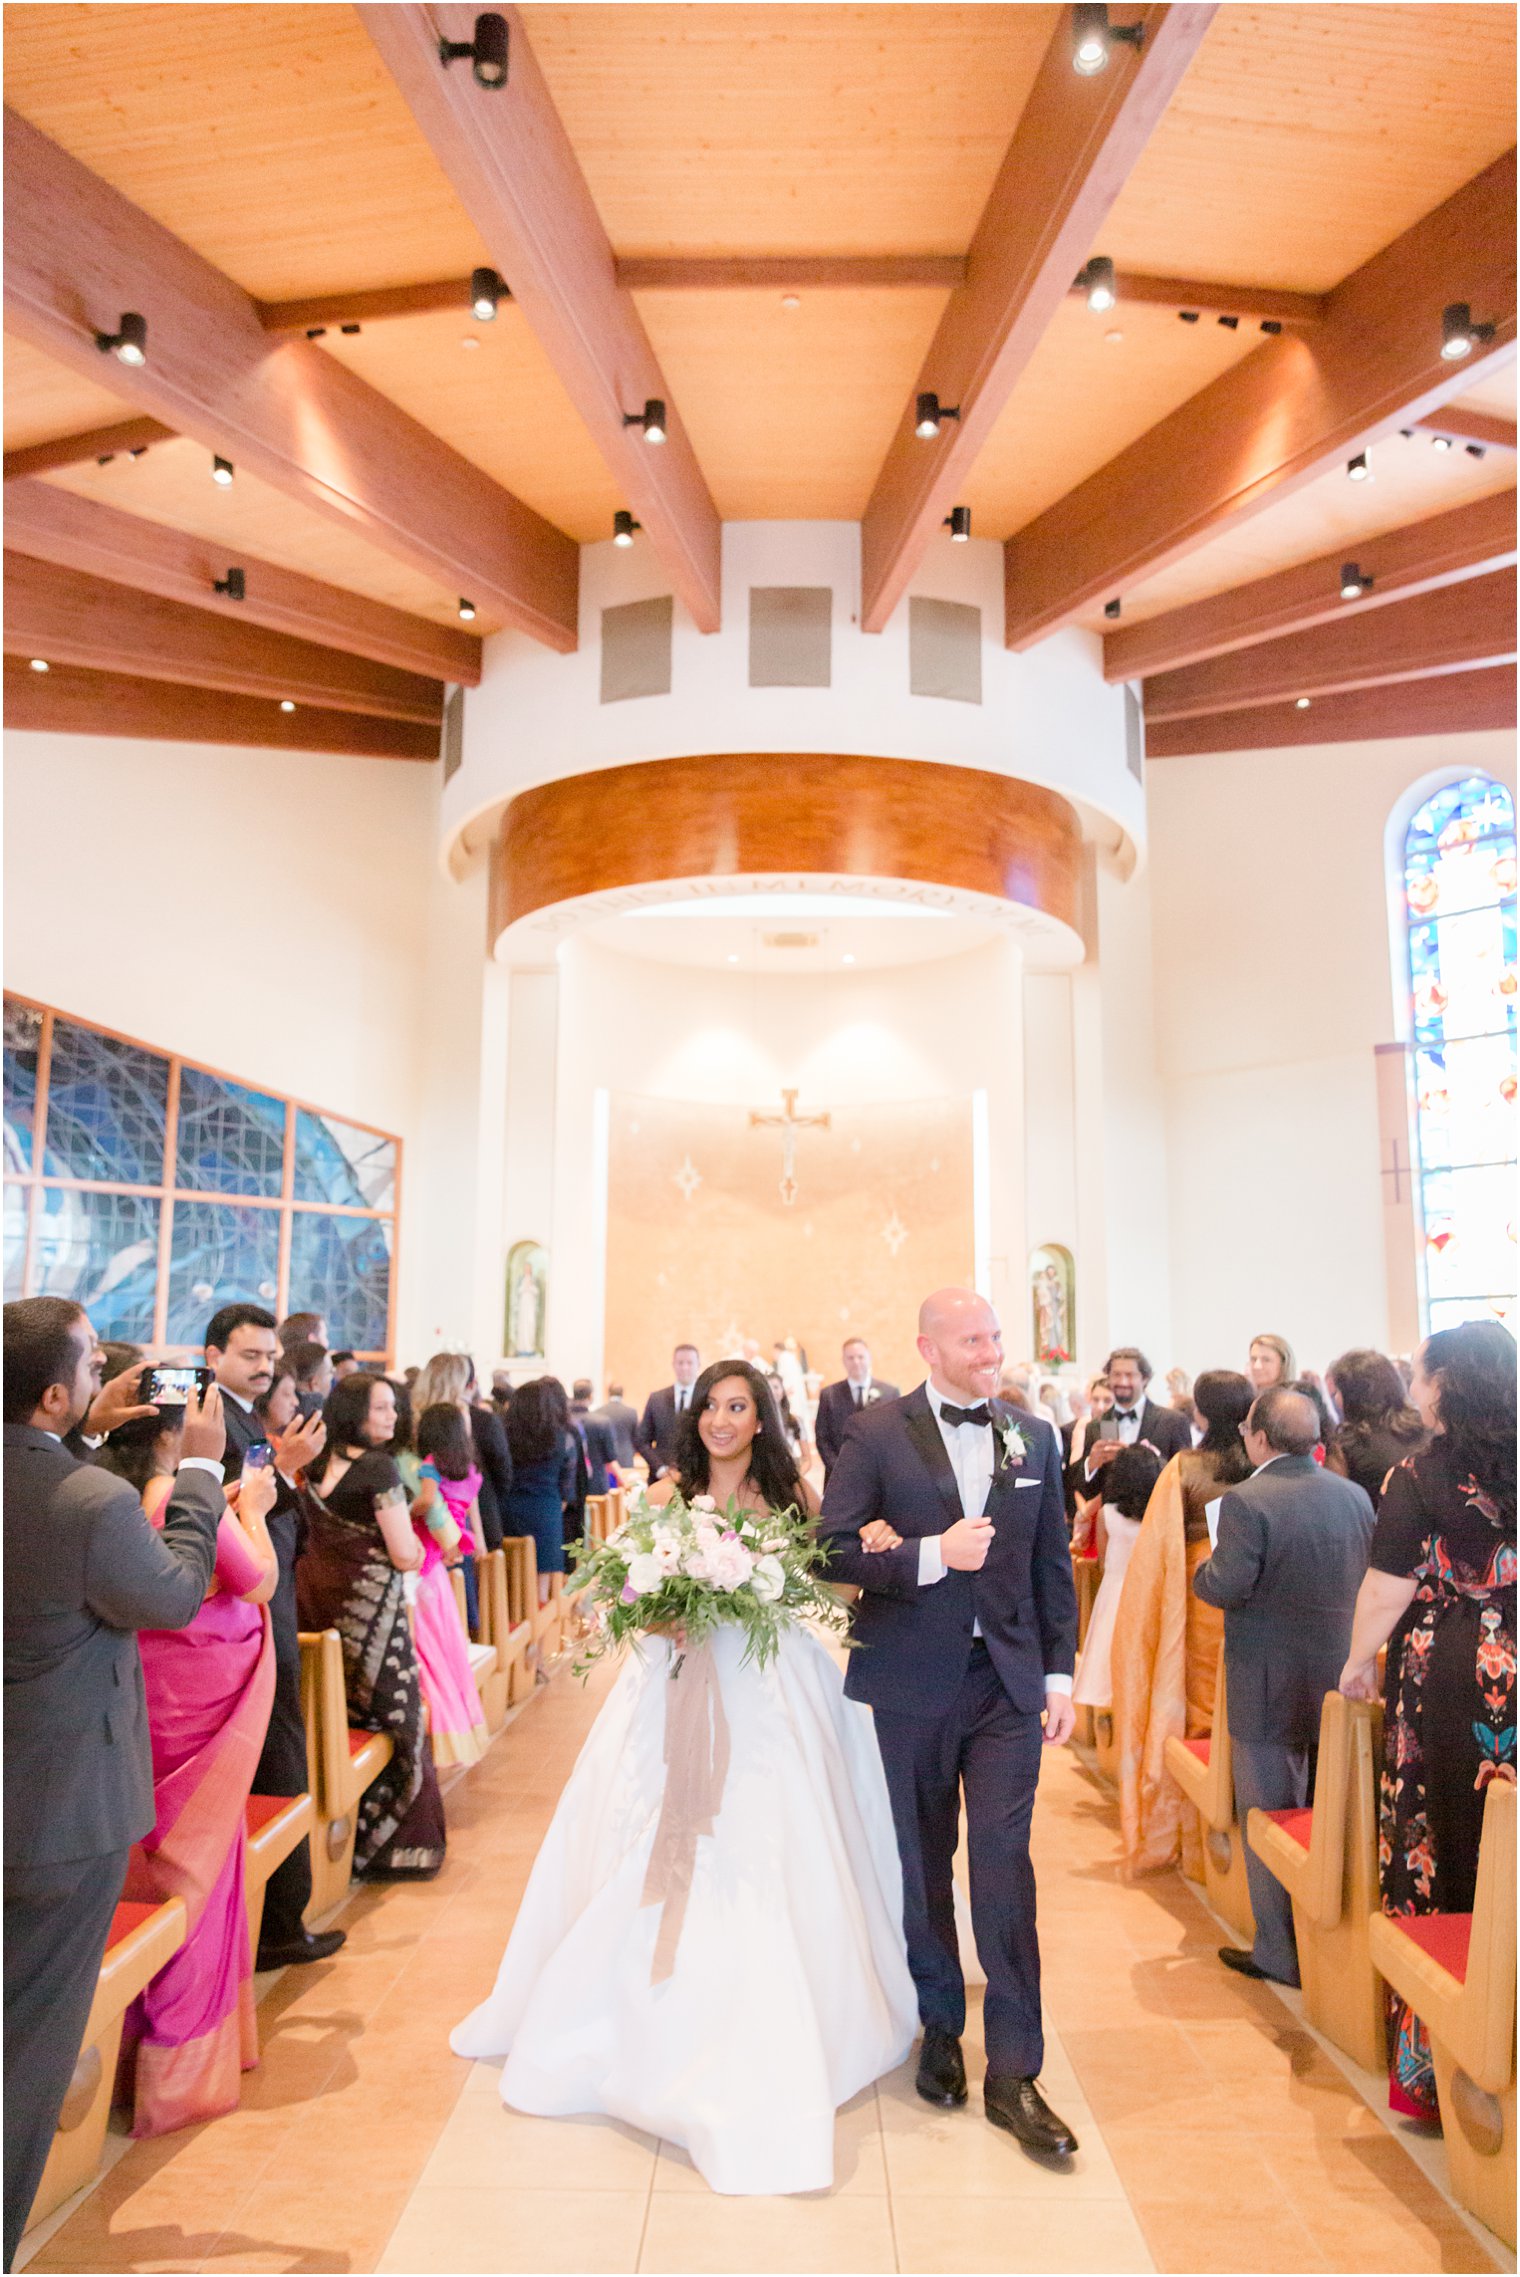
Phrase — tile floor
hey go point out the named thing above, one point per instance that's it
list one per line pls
(1217, 2133)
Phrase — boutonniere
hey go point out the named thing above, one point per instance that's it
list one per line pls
(1015, 1445)
(872, 1396)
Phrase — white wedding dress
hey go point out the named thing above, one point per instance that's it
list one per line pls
(790, 1988)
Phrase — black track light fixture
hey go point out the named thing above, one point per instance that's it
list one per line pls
(958, 523)
(1474, 450)
(1353, 583)
(1459, 334)
(651, 419)
(466, 611)
(222, 472)
(486, 52)
(1111, 610)
(486, 289)
(1093, 38)
(234, 585)
(1097, 281)
(1359, 468)
(623, 527)
(928, 411)
(129, 342)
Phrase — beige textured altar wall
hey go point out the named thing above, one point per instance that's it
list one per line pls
(701, 1246)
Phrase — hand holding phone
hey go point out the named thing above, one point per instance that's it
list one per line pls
(171, 1387)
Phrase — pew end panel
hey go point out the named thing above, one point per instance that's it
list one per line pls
(142, 1938)
(274, 1826)
(520, 1560)
(340, 1765)
(1204, 1770)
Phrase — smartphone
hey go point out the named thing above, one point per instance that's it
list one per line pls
(171, 1387)
(1107, 1427)
(259, 1456)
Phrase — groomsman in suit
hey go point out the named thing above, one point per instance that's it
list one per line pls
(624, 1421)
(84, 1571)
(1134, 1417)
(1291, 1553)
(838, 1402)
(242, 1350)
(660, 1424)
(946, 1509)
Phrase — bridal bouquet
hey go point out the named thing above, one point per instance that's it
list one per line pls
(688, 1568)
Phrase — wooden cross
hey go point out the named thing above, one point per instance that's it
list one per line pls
(789, 1123)
(1398, 1170)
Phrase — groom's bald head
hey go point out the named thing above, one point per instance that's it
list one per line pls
(961, 1344)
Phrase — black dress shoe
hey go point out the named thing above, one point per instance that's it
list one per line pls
(1018, 2105)
(941, 2073)
(1237, 1958)
(312, 1945)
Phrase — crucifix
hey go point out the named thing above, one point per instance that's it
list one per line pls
(789, 1123)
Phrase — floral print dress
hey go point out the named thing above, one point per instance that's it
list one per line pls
(1449, 1720)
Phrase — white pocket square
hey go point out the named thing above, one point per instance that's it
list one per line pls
(1028, 1482)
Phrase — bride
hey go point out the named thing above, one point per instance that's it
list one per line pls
(788, 1988)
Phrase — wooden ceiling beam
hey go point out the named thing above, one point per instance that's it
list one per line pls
(1453, 703)
(1070, 156)
(516, 174)
(66, 617)
(78, 253)
(54, 525)
(1283, 415)
(77, 450)
(1456, 629)
(1471, 427)
(1466, 542)
(1252, 304)
(329, 312)
(784, 272)
(71, 701)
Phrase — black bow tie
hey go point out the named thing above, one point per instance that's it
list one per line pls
(980, 1416)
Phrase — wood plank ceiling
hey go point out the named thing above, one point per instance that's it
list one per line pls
(1301, 142)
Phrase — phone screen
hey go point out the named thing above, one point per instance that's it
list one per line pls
(171, 1387)
(259, 1456)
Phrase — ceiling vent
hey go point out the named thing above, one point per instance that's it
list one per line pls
(790, 940)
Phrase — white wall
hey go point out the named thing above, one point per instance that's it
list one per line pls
(278, 916)
(1273, 985)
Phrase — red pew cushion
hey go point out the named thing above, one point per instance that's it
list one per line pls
(1296, 1825)
(358, 1740)
(1444, 1936)
(260, 1809)
(1198, 1747)
(130, 1915)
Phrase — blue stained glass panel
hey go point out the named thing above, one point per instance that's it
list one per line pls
(1460, 812)
(231, 1140)
(23, 1040)
(341, 1267)
(101, 1250)
(218, 1254)
(15, 1240)
(107, 1108)
(337, 1162)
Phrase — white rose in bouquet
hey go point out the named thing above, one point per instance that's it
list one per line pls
(645, 1574)
(730, 1564)
(768, 1579)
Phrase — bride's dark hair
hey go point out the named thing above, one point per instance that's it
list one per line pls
(771, 1463)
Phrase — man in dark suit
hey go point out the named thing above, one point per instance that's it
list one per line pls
(84, 1571)
(242, 1350)
(597, 1437)
(660, 1424)
(1285, 1570)
(625, 1422)
(1134, 1417)
(946, 1509)
(837, 1403)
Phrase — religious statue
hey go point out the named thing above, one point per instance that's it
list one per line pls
(527, 1289)
(1050, 1281)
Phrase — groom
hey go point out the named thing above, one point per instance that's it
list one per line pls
(947, 1509)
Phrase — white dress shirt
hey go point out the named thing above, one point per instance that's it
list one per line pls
(972, 1452)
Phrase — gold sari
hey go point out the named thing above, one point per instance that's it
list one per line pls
(1165, 1655)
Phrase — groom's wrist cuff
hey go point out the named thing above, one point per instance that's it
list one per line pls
(931, 1561)
(1059, 1684)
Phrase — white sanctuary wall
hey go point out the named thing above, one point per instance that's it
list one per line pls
(1274, 985)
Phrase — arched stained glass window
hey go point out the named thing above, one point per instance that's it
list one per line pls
(1459, 889)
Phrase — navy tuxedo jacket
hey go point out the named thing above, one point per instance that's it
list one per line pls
(913, 1641)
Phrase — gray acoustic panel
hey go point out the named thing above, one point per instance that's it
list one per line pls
(1134, 736)
(789, 635)
(453, 734)
(945, 650)
(636, 649)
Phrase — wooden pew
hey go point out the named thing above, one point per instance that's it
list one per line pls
(340, 1764)
(484, 1658)
(275, 1825)
(1085, 1573)
(1326, 1859)
(508, 1639)
(142, 1938)
(1457, 1972)
(1202, 1769)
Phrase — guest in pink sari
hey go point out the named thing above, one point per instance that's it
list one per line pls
(445, 1514)
(191, 2034)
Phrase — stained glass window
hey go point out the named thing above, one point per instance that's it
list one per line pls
(231, 1140)
(339, 1163)
(107, 1109)
(16, 1200)
(1459, 886)
(218, 1254)
(101, 1250)
(23, 1041)
(341, 1266)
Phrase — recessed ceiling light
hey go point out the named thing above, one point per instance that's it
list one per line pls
(40, 664)
(1301, 704)
(733, 957)
(847, 959)
(286, 705)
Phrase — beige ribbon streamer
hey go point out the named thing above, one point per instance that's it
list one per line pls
(696, 1768)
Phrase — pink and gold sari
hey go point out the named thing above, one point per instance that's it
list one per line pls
(1165, 1655)
(191, 2034)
